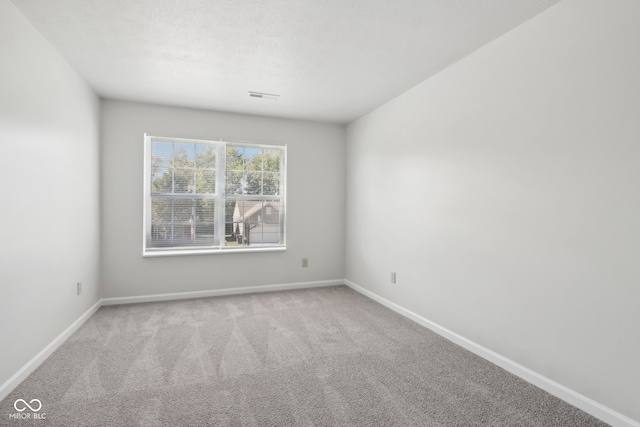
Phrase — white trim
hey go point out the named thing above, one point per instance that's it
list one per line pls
(217, 140)
(572, 397)
(220, 292)
(32, 364)
(223, 250)
(219, 198)
(588, 405)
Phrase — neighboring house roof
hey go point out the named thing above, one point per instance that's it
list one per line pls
(251, 207)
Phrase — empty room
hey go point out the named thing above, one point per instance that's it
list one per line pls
(320, 213)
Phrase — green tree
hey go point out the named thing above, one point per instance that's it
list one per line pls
(178, 217)
(248, 171)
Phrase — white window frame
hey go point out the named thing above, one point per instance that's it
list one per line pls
(219, 197)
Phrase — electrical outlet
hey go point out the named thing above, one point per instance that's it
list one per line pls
(79, 288)
(305, 262)
(393, 277)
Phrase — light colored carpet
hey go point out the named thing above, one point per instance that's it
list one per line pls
(323, 357)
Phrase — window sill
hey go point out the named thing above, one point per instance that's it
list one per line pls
(153, 254)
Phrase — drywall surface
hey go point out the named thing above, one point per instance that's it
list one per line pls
(315, 202)
(49, 194)
(504, 192)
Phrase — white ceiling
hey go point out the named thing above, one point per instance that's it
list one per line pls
(329, 60)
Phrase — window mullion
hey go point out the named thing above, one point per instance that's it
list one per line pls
(220, 204)
(173, 190)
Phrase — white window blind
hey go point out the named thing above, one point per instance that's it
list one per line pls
(213, 196)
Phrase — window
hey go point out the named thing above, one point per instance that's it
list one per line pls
(213, 196)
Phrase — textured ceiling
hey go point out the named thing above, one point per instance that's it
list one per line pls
(329, 60)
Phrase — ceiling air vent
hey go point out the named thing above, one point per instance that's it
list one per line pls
(261, 95)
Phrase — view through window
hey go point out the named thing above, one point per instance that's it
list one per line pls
(213, 196)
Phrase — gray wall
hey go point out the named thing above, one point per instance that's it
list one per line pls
(315, 202)
(505, 193)
(49, 196)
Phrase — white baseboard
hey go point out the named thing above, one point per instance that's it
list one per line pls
(27, 369)
(220, 292)
(590, 406)
(32, 364)
(576, 399)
